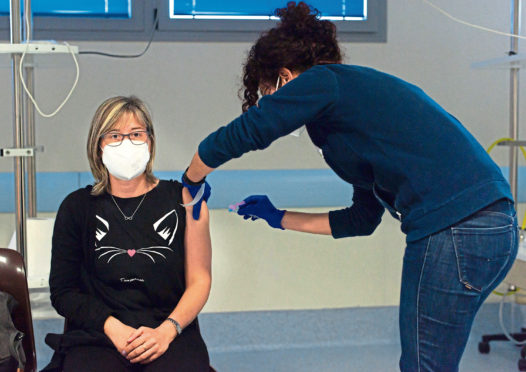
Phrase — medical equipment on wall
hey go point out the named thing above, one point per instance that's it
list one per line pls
(39, 234)
(513, 61)
(24, 148)
(23, 49)
(487, 29)
(501, 142)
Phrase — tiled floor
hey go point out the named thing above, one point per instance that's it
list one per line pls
(503, 357)
(348, 340)
(374, 358)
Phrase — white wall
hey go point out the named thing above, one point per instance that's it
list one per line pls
(191, 89)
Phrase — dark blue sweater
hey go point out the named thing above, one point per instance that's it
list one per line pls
(395, 145)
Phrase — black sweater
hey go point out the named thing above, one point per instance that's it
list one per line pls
(105, 265)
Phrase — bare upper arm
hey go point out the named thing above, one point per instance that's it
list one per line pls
(198, 246)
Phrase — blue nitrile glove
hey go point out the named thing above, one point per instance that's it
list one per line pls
(195, 188)
(259, 206)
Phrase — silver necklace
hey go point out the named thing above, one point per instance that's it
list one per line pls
(128, 218)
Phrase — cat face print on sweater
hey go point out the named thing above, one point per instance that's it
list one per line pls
(165, 227)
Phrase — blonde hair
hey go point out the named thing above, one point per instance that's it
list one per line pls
(104, 120)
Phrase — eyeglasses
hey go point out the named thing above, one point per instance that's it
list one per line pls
(137, 137)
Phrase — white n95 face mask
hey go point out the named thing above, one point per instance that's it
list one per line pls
(127, 160)
(298, 131)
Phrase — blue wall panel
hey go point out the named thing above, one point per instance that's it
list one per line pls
(7, 192)
(286, 188)
(52, 188)
(297, 188)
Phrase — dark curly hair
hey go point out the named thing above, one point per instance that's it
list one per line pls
(299, 41)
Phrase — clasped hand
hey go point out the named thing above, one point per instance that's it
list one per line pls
(147, 344)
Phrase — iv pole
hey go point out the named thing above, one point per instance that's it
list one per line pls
(29, 115)
(24, 148)
(514, 98)
(513, 61)
(20, 179)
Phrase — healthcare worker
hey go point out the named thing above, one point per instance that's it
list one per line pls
(402, 152)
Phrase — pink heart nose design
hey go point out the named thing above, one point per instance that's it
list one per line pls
(131, 252)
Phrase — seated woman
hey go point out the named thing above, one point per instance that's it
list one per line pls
(130, 270)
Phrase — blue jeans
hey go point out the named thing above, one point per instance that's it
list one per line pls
(446, 277)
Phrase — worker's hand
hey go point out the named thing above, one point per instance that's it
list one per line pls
(259, 206)
(199, 191)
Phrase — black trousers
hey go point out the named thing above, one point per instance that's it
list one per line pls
(187, 353)
(8, 365)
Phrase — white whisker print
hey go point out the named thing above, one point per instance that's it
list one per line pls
(145, 250)
(111, 250)
(151, 250)
(146, 254)
(131, 252)
(107, 247)
(115, 249)
(158, 247)
(165, 227)
(116, 254)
